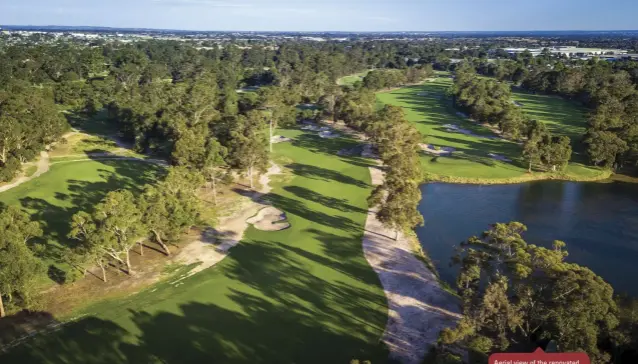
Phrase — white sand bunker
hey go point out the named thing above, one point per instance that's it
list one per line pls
(517, 103)
(311, 127)
(456, 129)
(328, 134)
(499, 157)
(279, 139)
(269, 219)
(429, 148)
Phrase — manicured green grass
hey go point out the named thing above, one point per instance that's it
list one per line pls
(301, 295)
(351, 79)
(30, 170)
(471, 162)
(561, 116)
(67, 188)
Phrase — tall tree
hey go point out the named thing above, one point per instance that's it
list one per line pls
(213, 162)
(114, 227)
(19, 268)
(515, 293)
(249, 143)
(399, 195)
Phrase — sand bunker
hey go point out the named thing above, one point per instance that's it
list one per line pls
(279, 139)
(328, 134)
(517, 103)
(499, 157)
(269, 219)
(311, 127)
(429, 148)
(453, 128)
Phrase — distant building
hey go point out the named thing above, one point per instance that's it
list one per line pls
(572, 52)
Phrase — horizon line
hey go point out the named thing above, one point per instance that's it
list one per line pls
(318, 31)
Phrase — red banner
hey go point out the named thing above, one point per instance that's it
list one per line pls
(539, 357)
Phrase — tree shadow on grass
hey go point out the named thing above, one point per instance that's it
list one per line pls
(324, 174)
(340, 204)
(55, 218)
(277, 312)
(313, 142)
(298, 208)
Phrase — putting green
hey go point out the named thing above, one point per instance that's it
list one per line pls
(428, 107)
(301, 295)
(351, 79)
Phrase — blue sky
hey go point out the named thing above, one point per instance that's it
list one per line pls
(338, 15)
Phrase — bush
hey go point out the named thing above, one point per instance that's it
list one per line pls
(9, 169)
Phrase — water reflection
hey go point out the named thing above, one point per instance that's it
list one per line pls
(599, 222)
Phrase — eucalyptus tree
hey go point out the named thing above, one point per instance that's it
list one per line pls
(19, 268)
(514, 293)
(249, 143)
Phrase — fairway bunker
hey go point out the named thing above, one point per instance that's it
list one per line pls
(328, 134)
(279, 139)
(499, 157)
(429, 148)
(269, 219)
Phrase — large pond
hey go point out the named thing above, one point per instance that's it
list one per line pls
(598, 221)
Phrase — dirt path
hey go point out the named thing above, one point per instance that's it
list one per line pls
(216, 243)
(44, 162)
(418, 308)
(43, 167)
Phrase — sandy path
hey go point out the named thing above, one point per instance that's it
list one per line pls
(418, 308)
(43, 167)
(215, 245)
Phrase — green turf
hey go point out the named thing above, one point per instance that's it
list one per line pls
(302, 295)
(351, 79)
(67, 188)
(471, 159)
(30, 171)
(561, 116)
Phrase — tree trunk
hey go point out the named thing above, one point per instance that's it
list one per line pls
(1, 307)
(529, 169)
(250, 175)
(161, 243)
(103, 271)
(214, 192)
(3, 155)
(270, 141)
(141, 248)
(396, 237)
(129, 271)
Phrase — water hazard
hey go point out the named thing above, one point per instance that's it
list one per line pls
(598, 221)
